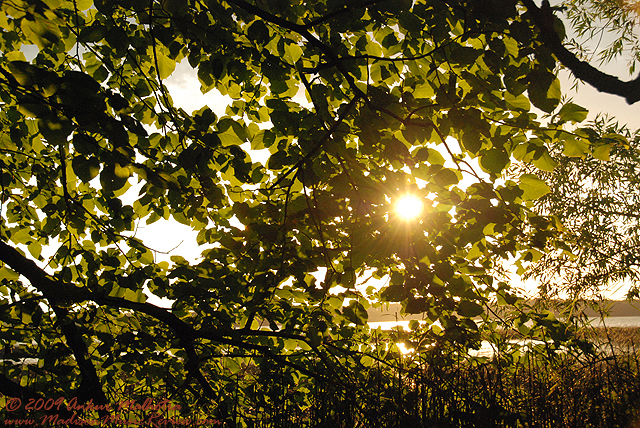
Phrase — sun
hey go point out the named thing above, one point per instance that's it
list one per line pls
(408, 207)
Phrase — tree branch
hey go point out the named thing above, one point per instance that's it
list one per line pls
(13, 389)
(543, 18)
(56, 291)
(90, 386)
(9, 388)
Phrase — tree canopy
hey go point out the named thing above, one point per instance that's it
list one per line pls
(357, 105)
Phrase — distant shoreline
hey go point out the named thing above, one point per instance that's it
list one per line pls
(618, 308)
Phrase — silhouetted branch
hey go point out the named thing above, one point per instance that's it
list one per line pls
(544, 19)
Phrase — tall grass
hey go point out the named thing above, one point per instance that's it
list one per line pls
(533, 387)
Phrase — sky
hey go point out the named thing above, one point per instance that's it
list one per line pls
(598, 102)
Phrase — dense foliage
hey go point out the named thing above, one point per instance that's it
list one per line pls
(357, 105)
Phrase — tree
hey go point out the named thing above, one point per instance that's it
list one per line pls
(595, 197)
(619, 17)
(401, 97)
(596, 200)
(592, 20)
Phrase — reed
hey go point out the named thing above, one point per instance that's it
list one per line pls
(539, 387)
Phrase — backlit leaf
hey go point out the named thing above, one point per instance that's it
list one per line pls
(533, 187)
(470, 309)
(571, 112)
(544, 90)
(575, 146)
(166, 65)
(602, 152)
(293, 52)
(545, 162)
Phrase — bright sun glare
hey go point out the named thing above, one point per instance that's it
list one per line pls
(409, 207)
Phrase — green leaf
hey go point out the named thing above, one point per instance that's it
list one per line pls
(93, 33)
(181, 218)
(464, 54)
(83, 4)
(575, 146)
(533, 187)
(511, 45)
(82, 84)
(416, 305)
(190, 156)
(263, 139)
(43, 33)
(427, 154)
(446, 177)
(231, 132)
(113, 177)
(602, 152)
(85, 144)
(230, 138)
(292, 53)
(469, 309)
(8, 273)
(395, 293)
(494, 160)
(85, 169)
(55, 129)
(356, 313)
(505, 298)
(544, 90)
(23, 72)
(35, 248)
(424, 90)
(133, 125)
(258, 32)
(571, 112)
(519, 102)
(545, 162)
(166, 65)
(127, 294)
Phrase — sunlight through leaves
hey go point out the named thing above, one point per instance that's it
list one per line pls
(409, 207)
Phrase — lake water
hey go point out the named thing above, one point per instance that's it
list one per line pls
(486, 349)
(616, 322)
